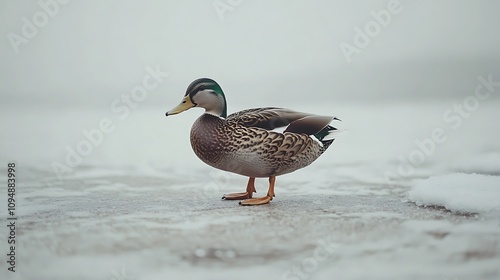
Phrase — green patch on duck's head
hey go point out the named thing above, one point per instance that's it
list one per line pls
(208, 94)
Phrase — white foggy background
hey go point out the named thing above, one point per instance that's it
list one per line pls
(263, 53)
(139, 201)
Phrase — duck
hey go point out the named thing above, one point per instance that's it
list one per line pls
(249, 142)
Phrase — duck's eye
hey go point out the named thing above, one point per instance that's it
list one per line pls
(184, 101)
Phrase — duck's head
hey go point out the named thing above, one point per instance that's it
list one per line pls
(205, 93)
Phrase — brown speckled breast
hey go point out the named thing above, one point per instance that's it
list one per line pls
(207, 138)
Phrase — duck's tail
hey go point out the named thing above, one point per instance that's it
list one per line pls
(327, 135)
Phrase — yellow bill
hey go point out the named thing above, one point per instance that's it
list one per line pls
(185, 104)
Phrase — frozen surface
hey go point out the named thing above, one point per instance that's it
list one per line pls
(420, 99)
(173, 226)
(142, 206)
(467, 193)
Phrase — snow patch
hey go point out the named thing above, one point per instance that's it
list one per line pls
(459, 192)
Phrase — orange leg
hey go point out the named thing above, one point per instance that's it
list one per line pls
(262, 200)
(243, 195)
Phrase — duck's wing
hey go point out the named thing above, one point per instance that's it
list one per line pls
(271, 118)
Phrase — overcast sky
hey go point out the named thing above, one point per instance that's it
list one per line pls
(95, 50)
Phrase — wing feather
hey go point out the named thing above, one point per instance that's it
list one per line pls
(271, 118)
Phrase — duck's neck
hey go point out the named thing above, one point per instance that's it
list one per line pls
(217, 111)
(219, 106)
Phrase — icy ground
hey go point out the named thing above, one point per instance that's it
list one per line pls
(142, 206)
